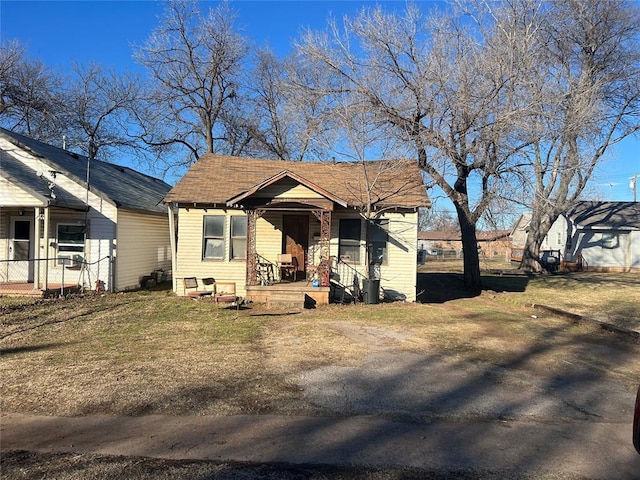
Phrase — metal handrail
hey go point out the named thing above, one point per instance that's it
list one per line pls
(343, 271)
(265, 272)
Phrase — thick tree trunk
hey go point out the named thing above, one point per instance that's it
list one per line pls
(540, 225)
(471, 259)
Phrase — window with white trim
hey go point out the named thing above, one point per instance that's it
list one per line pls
(70, 244)
(608, 240)
(349, 240)
(378, 238)
(238, 237)
(213, 237)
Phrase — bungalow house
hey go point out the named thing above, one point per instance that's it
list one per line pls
(66, 221)
(303, 227)
(599, 236)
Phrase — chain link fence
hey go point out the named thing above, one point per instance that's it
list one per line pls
(53, 276)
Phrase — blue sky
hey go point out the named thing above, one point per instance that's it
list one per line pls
(60, 32)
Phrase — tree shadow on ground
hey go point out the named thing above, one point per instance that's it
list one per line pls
(441, 287)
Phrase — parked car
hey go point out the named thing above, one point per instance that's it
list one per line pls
(636, 423)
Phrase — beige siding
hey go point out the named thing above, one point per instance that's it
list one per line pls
(143, 245)
(11, 195)
(287, 188)
(269, 236)
(189, 257)
(399, 274)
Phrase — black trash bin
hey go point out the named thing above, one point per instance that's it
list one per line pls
(370, 291)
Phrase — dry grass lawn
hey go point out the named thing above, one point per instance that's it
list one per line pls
(153, 353)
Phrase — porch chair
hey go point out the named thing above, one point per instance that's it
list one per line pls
(225, 292)
(192, 290)
(287, 265)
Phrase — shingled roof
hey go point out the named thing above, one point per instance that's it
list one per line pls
(123, 186)
(221, 180)
(606, 215)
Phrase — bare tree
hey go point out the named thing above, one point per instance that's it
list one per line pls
(288, 120)
(442, 90)
(96, 104)
(29, 94)
(193, 62)
(588, 78)
(439, 220)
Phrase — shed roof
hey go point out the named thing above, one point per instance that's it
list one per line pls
(123, 186)
(606, 215)
(219, 179)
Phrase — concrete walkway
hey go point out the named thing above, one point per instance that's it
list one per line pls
(582, 448)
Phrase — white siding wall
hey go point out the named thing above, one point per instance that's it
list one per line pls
(600, 252)
(4, 243)
(98, 248)
(102, 215)
(622, 253)
(11, 195)
(143, 245)
(556, 239)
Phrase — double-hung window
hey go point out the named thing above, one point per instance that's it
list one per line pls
(70, 244)
(609, 240)
(349, 241)
(238, 237)
(213, 237)
(378, 238)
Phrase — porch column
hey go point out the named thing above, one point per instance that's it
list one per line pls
(252, 250)
(252, 258)
(45, 284)
(324, 217)
(36, 248)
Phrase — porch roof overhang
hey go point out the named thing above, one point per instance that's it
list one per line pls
(251, 192)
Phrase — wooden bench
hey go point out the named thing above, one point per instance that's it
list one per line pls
(225, 292)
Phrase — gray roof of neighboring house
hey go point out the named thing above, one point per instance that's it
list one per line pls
(606, 215)
(123, 186)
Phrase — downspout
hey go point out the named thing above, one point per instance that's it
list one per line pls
(172, 239)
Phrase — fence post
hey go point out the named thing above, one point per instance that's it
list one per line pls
(62, 286)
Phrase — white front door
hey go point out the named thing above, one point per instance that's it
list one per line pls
(21, 250)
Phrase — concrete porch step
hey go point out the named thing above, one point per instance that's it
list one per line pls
(286, 298)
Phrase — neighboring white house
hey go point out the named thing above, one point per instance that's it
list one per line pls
(597, 236)
(237, 216)
(605, 234)
(55, 228)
